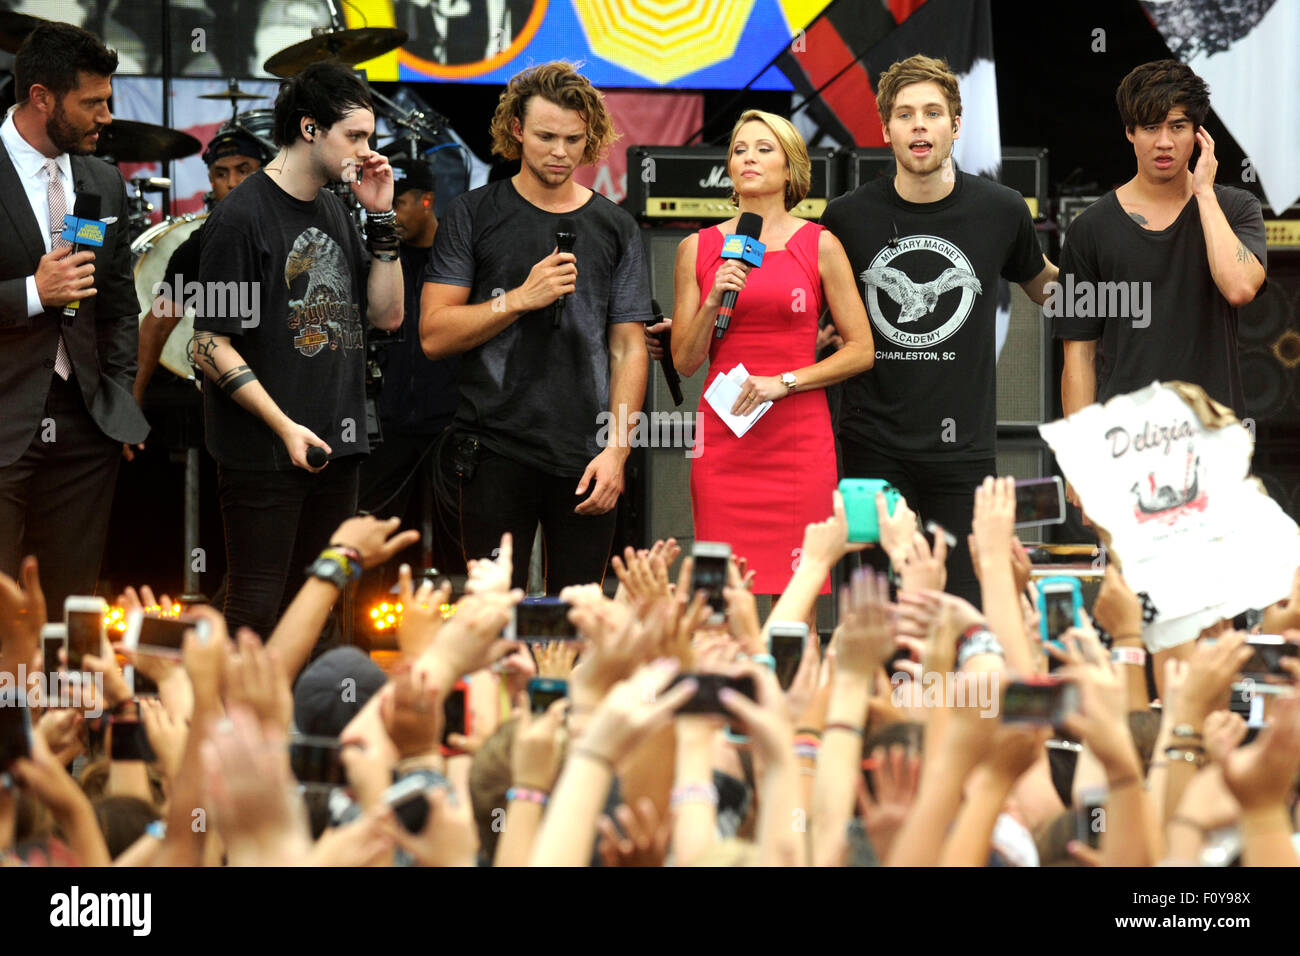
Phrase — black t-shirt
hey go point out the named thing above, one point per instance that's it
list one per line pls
(418, 396)
(305, 342)
(533, 392)
(185, 258)
(1150, 298)
(932, 298)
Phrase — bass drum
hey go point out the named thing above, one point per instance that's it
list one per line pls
(152, 251)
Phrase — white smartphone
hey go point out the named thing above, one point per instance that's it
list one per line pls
(1040, 501)
(84, 618)
(786, 641)
(711, 560)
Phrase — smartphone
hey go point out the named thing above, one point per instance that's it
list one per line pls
(544, 691)
(711, 559)
(84, 618)
(1040, 501)
(786, 640)
(932, 532)
(15, 727)
(706, 700)
(160, 636)
(456, 720)
(1039, 700)
(860, 506)
(54, 637)
(1059, 601)
(1267, 653)
(410, 804)
(541, 619)
(127, 737)
(315, 760)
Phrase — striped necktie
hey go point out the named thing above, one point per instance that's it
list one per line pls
(58, 203)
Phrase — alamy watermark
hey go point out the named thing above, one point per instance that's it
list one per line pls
(978, 689)
(82, 691)
(232, 299)
(1099, 300)
(650, 430)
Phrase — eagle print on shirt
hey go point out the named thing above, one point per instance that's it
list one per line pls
(324, 314)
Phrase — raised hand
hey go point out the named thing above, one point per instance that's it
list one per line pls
(539, 744)
(412, 715)
(253, 794)
(421, 613)
(635, 708)
(375, 539)
(167, 736)
(492, 574)
(895, 774)
(826, 542)
(919, 568)
(22, 615)
(864, 640)
(255, 678)
(644, 841)
(1261, 774)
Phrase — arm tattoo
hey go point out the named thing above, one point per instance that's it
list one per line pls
(204, 346)
(1243, 254)
(235, 379)
(1137, 219)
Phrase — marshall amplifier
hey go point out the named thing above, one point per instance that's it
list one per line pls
(1024, 169)
(691, 183)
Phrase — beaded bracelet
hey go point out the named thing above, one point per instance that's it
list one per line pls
(805, 752)
(694, 793)
(528, 795)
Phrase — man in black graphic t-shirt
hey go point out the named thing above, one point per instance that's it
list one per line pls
(287, 285)
(928, 246)
(1155, 272)
(551, 341)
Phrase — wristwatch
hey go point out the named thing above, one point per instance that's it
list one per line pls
(788, 380)
(331, 569)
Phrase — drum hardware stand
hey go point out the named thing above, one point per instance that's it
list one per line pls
(191, 577)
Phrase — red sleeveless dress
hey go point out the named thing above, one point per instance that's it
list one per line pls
(757, 492)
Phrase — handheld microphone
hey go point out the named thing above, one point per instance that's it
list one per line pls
(82, 228)
(666, 363)
(744, 245)
(565, 236)
(316, 456)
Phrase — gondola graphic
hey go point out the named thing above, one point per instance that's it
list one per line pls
(1167, 502)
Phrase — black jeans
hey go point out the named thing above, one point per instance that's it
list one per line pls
(938, 491)
(506, 495)
(277, 522)
(401, 468)
(56, 498)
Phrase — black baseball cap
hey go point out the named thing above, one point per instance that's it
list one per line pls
(234, 142)
(411, 175)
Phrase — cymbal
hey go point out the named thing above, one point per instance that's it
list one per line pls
(14, 28)
(235, 94)
(130, 142)
(341, 46)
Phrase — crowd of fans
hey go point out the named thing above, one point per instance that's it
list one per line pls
(886, 749)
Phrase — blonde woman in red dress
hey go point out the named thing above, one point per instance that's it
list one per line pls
(758, 492)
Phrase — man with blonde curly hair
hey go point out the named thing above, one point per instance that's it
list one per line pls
(551, 340)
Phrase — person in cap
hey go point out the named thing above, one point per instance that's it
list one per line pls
(417, 395)
(232, 156)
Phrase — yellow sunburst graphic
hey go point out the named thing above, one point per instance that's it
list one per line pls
(663, 40)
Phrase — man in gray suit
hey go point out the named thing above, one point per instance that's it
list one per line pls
(65, 381)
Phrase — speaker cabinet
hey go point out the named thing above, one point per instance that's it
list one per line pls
(1024, 364)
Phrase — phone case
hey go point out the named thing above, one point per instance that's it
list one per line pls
(860, 506)
(1044, 585)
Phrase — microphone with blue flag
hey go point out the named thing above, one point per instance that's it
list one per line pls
(743, 245)
(83, 229)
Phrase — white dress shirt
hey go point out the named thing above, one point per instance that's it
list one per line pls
(29, 163)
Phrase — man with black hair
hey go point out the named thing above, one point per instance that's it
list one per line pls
(65, 379)
(287, 375)
(1157, 271)
(417, 395)
(231, 156)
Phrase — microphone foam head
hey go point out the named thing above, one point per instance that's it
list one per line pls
(751, 224)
